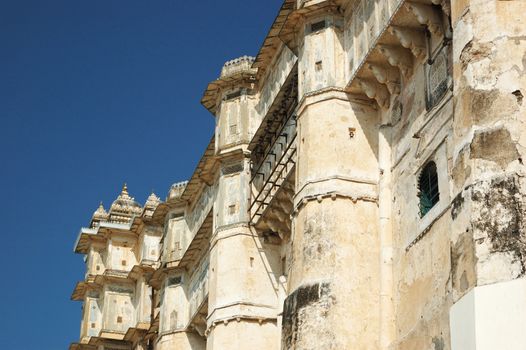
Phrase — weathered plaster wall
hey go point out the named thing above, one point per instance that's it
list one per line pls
(333, 292)
(92, 317)
(95, 264)
(121, 255)
(238, 114)
(174, 310)
(143, 301)
(490, 65)
(175, 239)
(320, 54)
(236, 335)
(148, 249)
(118, 313)
(180, 340)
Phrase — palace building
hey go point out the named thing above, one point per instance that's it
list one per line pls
(364, 189)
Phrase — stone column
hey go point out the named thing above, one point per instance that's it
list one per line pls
(333, 300)
(242, 311)
(488, 183)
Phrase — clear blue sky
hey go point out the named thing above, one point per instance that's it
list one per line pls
(93, 94)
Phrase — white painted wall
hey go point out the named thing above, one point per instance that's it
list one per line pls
(490, 317)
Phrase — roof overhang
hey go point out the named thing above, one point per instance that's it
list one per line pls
(136, 333)
(204, 173)
(87, 235)
(142, 269)
(273, 41)
(211, 94)
(78, 346)
(107, 337)
(113, 276)
(82, 287)
(83, 240)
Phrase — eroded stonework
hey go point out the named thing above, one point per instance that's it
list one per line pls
(364, 189)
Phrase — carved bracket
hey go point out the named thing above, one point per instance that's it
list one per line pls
(278, 226)
(398, 57)
(411, 39)
(387, 75)
(427, 15)
(377, 91)
(445, 4)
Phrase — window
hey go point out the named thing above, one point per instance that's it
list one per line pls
(314, 27)
(173, 281)
(428, 188)
(437, 78)
(233, 95)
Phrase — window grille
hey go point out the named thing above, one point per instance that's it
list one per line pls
(428, 188)
(232, 168)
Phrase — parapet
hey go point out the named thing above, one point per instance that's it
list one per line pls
(177, 189)
(239, 65)
(236, 72)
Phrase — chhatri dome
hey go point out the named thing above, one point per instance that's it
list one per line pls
(124, 207)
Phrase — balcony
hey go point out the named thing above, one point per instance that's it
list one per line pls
(199, 292)
(274, 158)
(198, 302)
(387, 41)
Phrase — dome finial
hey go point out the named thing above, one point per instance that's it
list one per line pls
(100, 214)
(124, 189)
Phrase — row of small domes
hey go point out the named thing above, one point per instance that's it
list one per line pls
(124, 204)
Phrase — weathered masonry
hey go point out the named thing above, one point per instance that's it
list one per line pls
(364, 189)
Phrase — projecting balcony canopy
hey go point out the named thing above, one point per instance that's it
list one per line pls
(272, 41)
(82, 287)
(142, 270)
(88, 235)
(137, 332)
(113, 276)
(111, 339)
(77, 346)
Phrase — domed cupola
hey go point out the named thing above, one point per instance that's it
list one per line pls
(151, 204)
(124, 208)
(99, 215)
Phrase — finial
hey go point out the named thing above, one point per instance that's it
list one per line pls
(100, 213)
(124, 189)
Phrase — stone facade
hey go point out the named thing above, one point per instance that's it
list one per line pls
(364, 189)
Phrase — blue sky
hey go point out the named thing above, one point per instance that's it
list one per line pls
(94, 94)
